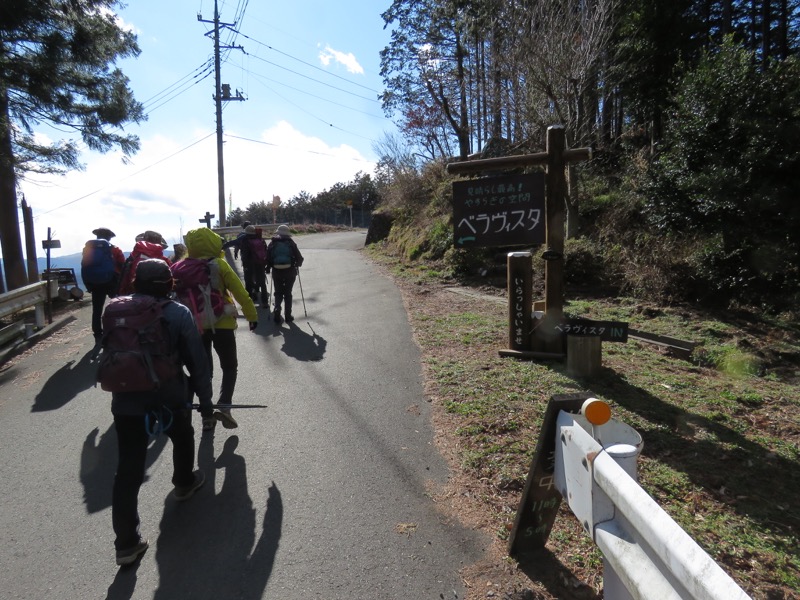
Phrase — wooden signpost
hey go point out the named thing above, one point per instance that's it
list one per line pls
(555, 159)
(536, 513)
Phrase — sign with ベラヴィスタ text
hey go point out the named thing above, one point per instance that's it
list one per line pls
(499, 211)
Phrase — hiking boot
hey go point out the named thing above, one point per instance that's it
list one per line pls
(276, 316)
(209, 423)
(224, 416)
(289, 318)
(132, 554)
(183, 493)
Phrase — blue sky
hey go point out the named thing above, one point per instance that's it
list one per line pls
(310, 73)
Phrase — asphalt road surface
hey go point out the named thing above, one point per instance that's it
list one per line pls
(325, 494)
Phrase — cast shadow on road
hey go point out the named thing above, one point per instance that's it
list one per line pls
(300, 345)
(207, 547)
(99, 463)
(66, 383)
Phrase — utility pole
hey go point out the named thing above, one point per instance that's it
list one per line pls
(221, 92)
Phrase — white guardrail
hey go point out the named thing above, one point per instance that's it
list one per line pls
(646, 555)
(25, 297)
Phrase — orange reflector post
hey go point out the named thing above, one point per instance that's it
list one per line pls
(596, 411)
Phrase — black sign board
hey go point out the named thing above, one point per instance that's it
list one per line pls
(540, 501)
(499, 211)
(608, 331)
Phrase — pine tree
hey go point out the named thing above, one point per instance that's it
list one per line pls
(57, 67)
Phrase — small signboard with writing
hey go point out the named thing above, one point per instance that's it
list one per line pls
(499, 211)
(608, 331)
(540, 501)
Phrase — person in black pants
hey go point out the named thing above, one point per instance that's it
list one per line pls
(283, 260)
(136, 414)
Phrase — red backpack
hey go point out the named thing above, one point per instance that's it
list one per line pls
(137, 356)
(194, 289)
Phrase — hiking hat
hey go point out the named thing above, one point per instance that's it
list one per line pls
(284, 230)
(153, 277)
(153, 237)
(250, 229)
(104, 232)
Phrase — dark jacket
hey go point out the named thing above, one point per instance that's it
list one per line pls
(185, 340)
(297, 258)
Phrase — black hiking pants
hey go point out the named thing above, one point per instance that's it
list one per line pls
(132, 439)
(99, 295)
(224, 343)
(283, 279)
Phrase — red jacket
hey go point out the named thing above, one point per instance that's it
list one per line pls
(140, 250)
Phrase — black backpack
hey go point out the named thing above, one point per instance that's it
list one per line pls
(137, 356)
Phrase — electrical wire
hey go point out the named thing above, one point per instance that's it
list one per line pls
(142, 170)
(238, 137)
(308, 64)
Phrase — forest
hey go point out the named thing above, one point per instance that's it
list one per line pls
(691, 108)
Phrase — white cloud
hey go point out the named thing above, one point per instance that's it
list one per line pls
(348, 60)
(169, 186)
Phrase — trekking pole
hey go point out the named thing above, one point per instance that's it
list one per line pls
(270, 288)
(301, 291)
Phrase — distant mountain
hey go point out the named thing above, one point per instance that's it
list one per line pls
(70, 261)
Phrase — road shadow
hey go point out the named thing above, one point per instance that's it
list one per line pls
(124, 583)
(66, 383)
(208, 547)
(99, 464)
(544, 567)
(300, 345)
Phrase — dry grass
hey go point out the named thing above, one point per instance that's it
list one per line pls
(722, 435)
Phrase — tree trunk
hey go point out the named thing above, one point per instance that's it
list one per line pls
(10, 239)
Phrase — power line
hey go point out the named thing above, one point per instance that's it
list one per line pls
(238, 137)
(313, 115)
(158, 162)
(308, 64)
(312, 79)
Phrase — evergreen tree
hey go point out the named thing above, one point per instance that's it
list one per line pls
(57, 67)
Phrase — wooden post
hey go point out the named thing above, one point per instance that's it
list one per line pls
(584, 355)
(520, 299)
(556, 203)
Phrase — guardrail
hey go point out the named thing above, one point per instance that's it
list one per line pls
(31, 295)
(645, 553)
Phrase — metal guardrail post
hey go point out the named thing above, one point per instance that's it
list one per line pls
(645, 553)
(25, 297)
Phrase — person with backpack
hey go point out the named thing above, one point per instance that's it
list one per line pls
(283, 259)
(101, 265)
(148, 341)
(205, 282)
(254, 261)
(236, 244)
(149, 244)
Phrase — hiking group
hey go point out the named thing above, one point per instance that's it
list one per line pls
(163, 316)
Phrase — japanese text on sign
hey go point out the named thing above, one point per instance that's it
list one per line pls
(499, 211)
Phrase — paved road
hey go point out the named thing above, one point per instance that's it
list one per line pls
(322, 495)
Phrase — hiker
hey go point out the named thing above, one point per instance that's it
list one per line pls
(214, 311)
(283, 259)
(101, 265)
(236, 244)
(149, 244)
(254, 259)
(136, 413)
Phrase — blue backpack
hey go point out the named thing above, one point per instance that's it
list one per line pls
(281, 253)
(97, 263)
